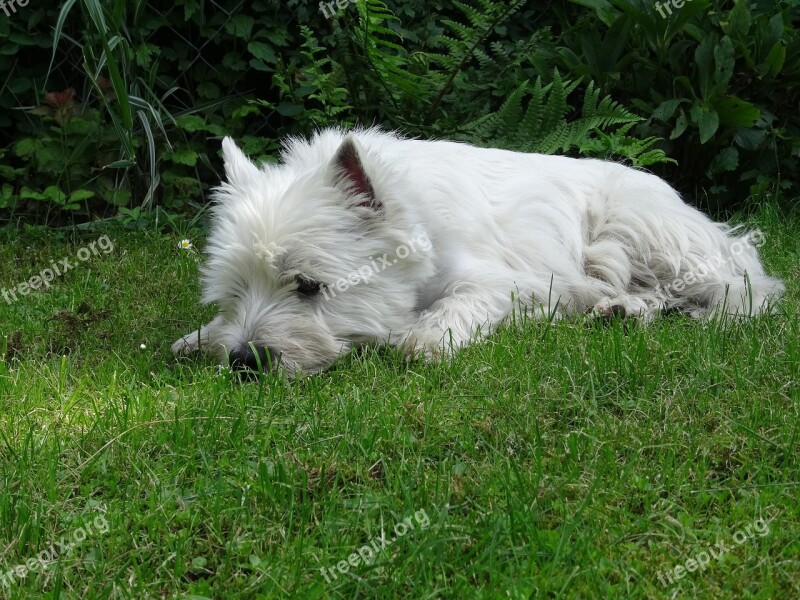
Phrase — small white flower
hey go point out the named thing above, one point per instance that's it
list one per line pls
(185, 245)
(143, 346)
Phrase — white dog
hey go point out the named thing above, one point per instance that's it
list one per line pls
(368, 238)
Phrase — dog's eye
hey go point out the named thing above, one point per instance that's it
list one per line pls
(306, 286)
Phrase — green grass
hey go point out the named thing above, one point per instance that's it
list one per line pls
(559, 460)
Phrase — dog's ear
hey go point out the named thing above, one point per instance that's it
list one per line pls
(237, 166)
(349, 172)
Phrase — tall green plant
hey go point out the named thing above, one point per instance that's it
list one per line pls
(132, 116)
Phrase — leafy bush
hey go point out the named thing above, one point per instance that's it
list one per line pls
(125, 110)
(721, 83)
(151, 95)
(145, 96)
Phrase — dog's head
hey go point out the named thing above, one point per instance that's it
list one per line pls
(309, 257)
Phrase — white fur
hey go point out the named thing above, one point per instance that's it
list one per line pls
(548, 233)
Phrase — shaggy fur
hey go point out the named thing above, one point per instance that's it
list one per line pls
(305, 258)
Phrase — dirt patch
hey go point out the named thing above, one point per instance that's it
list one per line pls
(14, 347)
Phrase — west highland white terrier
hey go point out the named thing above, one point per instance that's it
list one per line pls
(368, 238)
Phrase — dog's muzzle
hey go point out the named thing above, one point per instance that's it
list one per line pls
(252, 358)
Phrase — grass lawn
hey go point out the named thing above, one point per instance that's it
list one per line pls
(553, 460)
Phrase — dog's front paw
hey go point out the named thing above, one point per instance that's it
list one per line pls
(426, 344)
(188, 344)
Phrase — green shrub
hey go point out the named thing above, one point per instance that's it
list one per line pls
(122, 108)
(719, 80)
(148, 90)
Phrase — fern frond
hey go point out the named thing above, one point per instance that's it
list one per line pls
(534, 118)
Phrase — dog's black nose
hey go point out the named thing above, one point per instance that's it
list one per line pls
(249, 358)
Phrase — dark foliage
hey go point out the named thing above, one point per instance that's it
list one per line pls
(124, 112)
